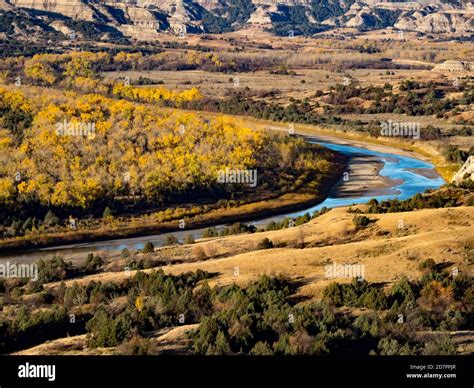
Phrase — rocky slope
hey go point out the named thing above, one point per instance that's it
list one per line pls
(145, 17)
(466, 172)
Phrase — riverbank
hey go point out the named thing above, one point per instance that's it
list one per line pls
(364, 179)
(415, 148)
(364, 170)
(284, 204)
(395, 176)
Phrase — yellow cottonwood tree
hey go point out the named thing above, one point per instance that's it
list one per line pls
(40, 71)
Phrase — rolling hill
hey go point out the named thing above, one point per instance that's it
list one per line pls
(144, 18)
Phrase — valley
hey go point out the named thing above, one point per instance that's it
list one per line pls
(237, 178)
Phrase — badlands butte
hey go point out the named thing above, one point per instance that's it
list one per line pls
(143, 19)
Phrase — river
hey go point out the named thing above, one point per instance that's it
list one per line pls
(401, 169)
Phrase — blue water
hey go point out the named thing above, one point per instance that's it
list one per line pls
(394, 167)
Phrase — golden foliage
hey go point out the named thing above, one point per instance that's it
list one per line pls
(155, 95)
(160, 152)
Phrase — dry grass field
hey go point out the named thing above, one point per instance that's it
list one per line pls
(299, 86)
(387, 252)
(318, 62)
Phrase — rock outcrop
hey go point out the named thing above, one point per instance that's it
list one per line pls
(425, 16)
(437, 20)
(454, 66)
(466, 172)
(76, 9)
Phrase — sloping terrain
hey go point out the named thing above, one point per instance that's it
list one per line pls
(142, 19)
(393, 246)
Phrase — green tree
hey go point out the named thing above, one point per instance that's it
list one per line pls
(76, 295)
(403, 292)
(266, 243)
(261, 349)
(107, 214)
(170, 239)
(148, 248)
(440, 347)
(333, 294)
(222, 344)
(189, 239)
(101, 330)
(50, 219)
(391, 347)
(52, 270)
(93, 263)
(374, 299)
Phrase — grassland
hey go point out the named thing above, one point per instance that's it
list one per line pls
(388, 253)
(106, 288)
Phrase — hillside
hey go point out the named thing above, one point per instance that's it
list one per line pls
(144, 19)
(389, 255)
(387, 251)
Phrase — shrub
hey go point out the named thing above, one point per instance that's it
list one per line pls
(198, 253)
(210, 232)
(266, 243)
(125, 253)
(428, 264)
(148, 248)
(171, 239)
(137, 346)
(189, 239)
(333, 294)
(362, 221)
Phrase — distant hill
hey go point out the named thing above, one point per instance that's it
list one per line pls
(144, 18)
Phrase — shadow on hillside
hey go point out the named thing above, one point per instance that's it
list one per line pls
(442, 266)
